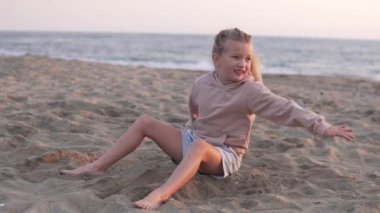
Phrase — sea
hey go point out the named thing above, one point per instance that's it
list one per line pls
(278, 55)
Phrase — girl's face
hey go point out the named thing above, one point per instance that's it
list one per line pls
(234, 63)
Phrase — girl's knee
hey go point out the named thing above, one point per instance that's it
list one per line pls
(144, 121)
(198, 146)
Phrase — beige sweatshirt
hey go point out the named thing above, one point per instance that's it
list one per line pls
(226, 111)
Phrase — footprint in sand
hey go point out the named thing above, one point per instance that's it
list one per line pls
(15, 142)
(136, 184)
(74, 157)
(21, 129)
(257, 182)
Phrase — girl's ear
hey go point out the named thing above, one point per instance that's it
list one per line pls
(215, 59)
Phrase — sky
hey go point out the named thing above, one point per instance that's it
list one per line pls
(358, 19)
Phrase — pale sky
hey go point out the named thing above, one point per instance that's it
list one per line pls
(304, 18)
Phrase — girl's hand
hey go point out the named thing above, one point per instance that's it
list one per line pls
(194, 116)
(340, 131)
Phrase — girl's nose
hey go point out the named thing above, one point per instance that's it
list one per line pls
(242, 63)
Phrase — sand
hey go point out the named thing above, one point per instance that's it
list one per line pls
(58, 114)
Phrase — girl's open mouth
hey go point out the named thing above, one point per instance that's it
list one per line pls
(240, 72)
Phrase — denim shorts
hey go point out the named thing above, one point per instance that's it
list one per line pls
(230, 159)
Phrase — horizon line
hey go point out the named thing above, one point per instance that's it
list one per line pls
(193, 34)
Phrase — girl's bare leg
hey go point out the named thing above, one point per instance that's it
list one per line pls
(200, 155)
(167, 137)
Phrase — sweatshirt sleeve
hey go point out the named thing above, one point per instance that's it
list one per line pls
(264, 103)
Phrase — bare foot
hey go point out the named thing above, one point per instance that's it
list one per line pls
(88, 169)
(152, 201)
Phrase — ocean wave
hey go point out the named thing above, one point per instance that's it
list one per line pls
(199, 65)
(279, 55)
(4, 52)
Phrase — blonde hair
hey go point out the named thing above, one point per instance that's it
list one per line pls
(236, 35)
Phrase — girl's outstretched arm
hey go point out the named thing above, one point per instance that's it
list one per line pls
(266, 104)
(282, 111)
(340, 131)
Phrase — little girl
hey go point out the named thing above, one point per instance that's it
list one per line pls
(222, 104)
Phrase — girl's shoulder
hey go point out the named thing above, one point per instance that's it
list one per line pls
(254, 84)
(255, 88)
(205, 78)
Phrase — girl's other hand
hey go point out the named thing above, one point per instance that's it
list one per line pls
(194, 116)
(340, 131)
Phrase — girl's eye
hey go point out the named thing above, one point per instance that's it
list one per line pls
(235, 57)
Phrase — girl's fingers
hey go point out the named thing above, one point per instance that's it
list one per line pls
(344, 133)
(348, 136)
(346, 128)
(341, 131)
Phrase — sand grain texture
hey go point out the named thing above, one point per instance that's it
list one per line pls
(58, 114)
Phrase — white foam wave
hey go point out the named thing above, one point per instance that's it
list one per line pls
(199, 65)
(278, 70)
(4, 52)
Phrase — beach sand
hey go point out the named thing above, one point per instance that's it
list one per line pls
(57, 114)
